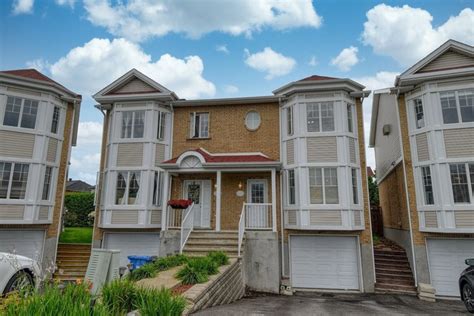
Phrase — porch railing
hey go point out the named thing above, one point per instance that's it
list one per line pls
(174, 218)
(241, 229)
(187, 226)
(258, 216)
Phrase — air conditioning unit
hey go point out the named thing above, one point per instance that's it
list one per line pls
(103, 267)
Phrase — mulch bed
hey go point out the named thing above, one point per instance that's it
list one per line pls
(180, 288)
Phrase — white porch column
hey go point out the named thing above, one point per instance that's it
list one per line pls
(274, 212)
(218, 200)
(164, 203)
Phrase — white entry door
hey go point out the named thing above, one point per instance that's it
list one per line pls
(199, 191)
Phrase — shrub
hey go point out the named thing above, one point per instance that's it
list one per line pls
(151, 302)
(119, 297)
(147, 270)
(190, 275)
(78, 205)
(170, 262)
(204, 264)
(219, 257)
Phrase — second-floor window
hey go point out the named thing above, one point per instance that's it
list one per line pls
(160, 134)
(55, 121)
(13, 180)
(323, 187)
(291, 187)
(355, 191)
(47, 183)
(320, 117)
(427, 185)
(350, 122)
(419, 114)
(289, 121)
(457, 106)
(128, 187)
(20, 112)
(133, 124)
(199, 125)
(462, 181)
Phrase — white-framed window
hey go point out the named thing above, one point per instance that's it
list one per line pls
(355, 190)
(427, 185)
(350, 118)
(291, 187)
(13, 180)
(462, 178)
(55, 120)
(20, 112)
(133, 124)
(128, 187)
(157, 188)
(323, 187)
(419, 114)
(47, 183)
(199, 125)
(320, 117)
(160, 133)
(457, 106)
(289, 121)
(252, 120)
(257, 191)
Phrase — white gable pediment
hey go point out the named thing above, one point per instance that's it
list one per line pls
(134, 85)
(450, 59)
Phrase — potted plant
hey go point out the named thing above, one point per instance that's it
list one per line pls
(180, 204)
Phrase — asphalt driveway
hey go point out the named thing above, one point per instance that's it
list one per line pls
(305, 303)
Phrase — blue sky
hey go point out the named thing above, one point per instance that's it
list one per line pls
(217, 48)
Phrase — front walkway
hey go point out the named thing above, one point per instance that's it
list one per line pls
(337, 304)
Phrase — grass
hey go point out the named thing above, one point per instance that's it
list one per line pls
(198, 269)
(151, 269)
(76, 235)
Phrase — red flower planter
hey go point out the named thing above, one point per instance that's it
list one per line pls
(180, 204)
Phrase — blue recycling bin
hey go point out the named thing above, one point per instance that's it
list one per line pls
(138, 261)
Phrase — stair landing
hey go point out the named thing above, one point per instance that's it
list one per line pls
(201, 242)
(392, 269)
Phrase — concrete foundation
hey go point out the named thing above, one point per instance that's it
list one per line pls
(368, 273)
(422, 268)
(169, 242)
(49, 255)
(261, 262)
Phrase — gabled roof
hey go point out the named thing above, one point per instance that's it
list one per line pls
(461, 63)
(143, 88)
(321, 83)
(78, 186)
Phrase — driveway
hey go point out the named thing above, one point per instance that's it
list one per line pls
(305, 303)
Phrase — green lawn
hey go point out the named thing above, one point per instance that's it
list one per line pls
(76, 235)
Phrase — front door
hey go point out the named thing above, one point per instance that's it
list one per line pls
(257, 213)
(199, 191)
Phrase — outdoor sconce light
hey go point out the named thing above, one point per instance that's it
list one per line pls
(240, 185)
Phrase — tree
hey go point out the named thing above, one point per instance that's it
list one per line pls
(373, 191)
(78, 207)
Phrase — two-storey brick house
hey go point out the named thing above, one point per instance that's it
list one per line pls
(423, 134)
(38, 125)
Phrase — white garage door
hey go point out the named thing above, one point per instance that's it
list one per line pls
(324, 262)
(446, 258)
(133, 244)
(28, 243)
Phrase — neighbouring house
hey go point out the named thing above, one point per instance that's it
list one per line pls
(38, 125)
(78, 186)
(423, 134)
(287, 171)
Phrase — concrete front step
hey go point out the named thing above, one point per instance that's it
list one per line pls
(209, 248)
(211, 243)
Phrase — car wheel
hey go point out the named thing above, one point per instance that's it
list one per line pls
(20, 281)
(468, 297)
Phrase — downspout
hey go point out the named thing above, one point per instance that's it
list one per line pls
(406, 190)
(100, 182)
(282, 219)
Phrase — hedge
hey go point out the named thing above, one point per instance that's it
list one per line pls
(78, 207)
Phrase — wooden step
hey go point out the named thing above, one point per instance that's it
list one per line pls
(395, 288)
(393, 270)
(394, 275)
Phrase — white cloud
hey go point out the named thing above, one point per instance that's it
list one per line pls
(88, 68)
(222, 48)
(38, 64)
(382, 79)
(23, 6)
(346, 59)
(86, 165)
(231, 89)
(66, 2)
(138, 20)
(89, 133)
(313, 62)
(272, 63)
(407, 34)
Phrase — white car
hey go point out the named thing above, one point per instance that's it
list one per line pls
(17, 273)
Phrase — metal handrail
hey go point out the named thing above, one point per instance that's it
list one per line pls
(241, 229)
(187, 226)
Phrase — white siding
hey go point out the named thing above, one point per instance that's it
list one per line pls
(422, 147)
(52, 150)
(133, 86)
(130, 155)
(325, 218)
(464, 219)
(450, 59)
(124, 217)
(322, 149)
(12, 212)
(352, 150)
(15, 144)
(431, 219)
(459, 142)
(159, 153)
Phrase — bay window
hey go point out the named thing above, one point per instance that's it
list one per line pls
(289, 120)
(350, 119)
(128, 187)
(47, 183)
(291, 187)
(160, 135)
(133, 124)
(419, 114)
(13, 180)
(323, 185)
(355, 191)
(199, 125)
(427, 185)
(320, 117)
(457, 106)
(157, 188)
(55, 121)
(20, 112)
(462, 177)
